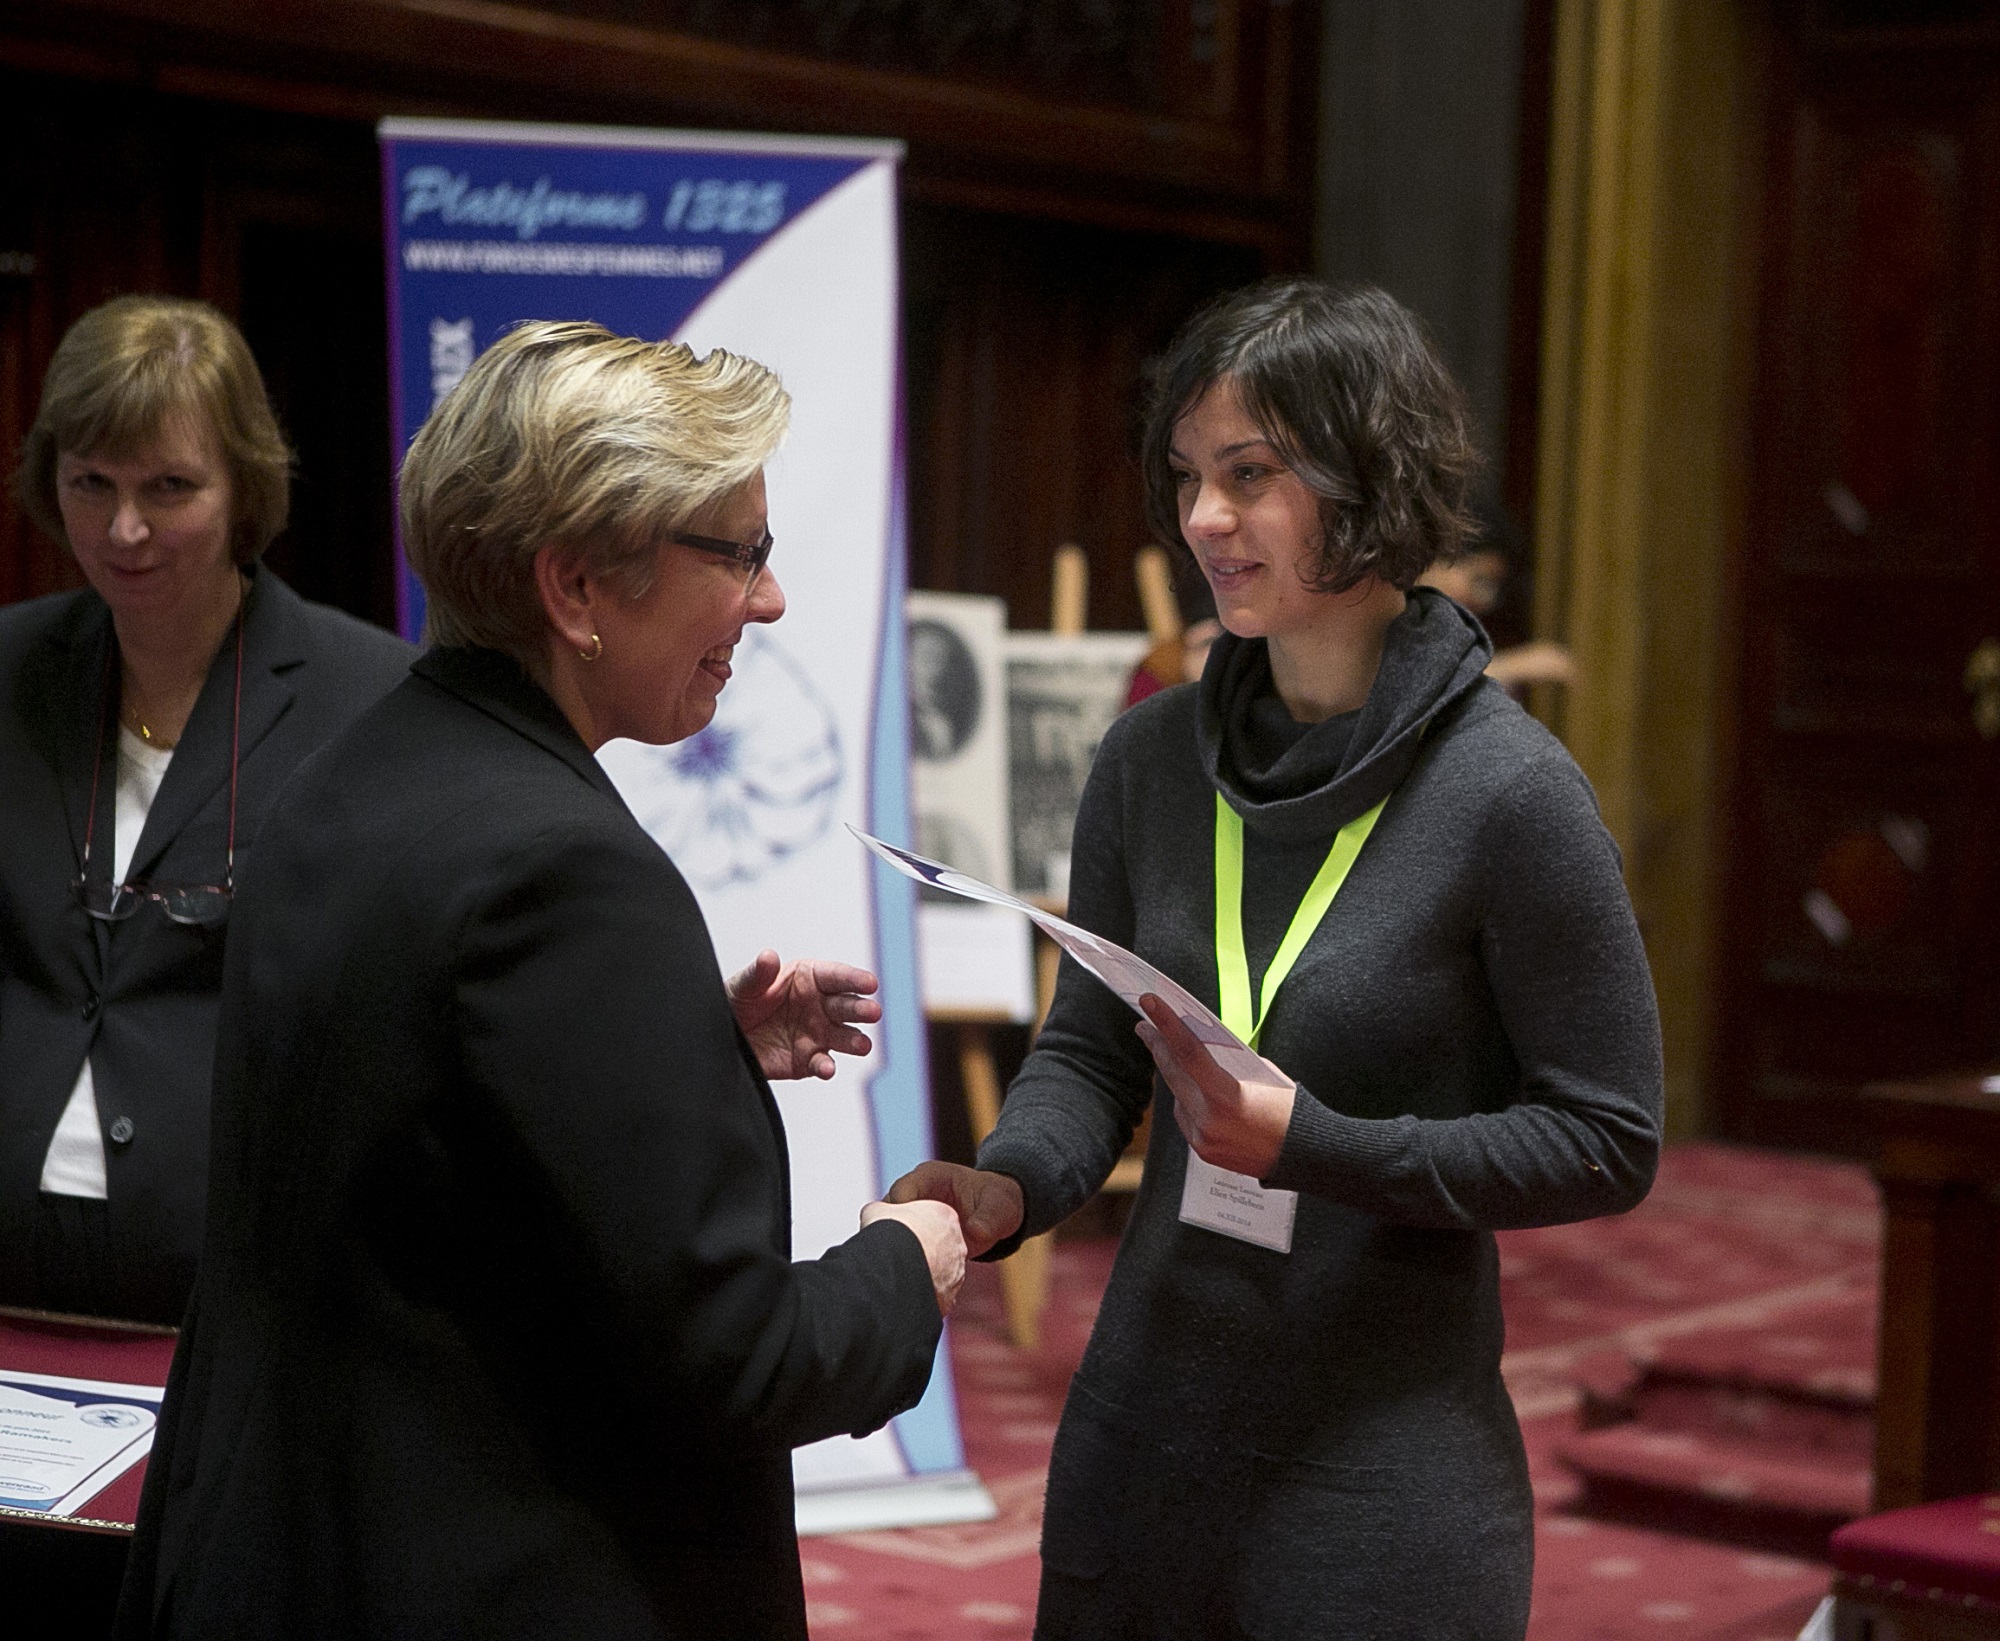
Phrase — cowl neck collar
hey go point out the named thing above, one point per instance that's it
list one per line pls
(1433, 655)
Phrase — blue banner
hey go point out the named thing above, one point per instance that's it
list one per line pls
(485, 232)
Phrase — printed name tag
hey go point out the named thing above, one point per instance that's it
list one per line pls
(1236, 1205)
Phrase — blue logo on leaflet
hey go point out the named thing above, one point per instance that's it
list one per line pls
(110, 1417)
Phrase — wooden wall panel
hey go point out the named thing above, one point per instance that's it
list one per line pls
(122, 212)
(1227, 134)
(1027, 349)
(1058, 227)
(1865, 877)
(274, 219)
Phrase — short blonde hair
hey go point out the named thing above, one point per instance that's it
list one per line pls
(566, 434)
(125, 371)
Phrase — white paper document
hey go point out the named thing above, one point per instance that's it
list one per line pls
(1130, 976)
(1233, 1205)
(63, 1441)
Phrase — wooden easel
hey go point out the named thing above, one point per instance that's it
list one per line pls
(1024, 1278)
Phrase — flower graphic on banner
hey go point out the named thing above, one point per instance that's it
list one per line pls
(758, 784)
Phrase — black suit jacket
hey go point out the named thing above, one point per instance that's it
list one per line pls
(139, 997)
(497, 1332)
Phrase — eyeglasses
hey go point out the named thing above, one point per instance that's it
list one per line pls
(199, 903)
(749, 556)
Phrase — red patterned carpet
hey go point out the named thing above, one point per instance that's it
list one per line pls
(1737, 1262)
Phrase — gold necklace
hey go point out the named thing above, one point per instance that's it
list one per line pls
(139, 724)
(129, 708)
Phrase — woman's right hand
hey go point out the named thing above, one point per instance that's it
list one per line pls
(937, 1228)
(988, 1205)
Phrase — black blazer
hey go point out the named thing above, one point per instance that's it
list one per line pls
(138, 997)
(497, 1332)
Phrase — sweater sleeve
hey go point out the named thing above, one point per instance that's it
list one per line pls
(1562, 954)
(1072, 1110)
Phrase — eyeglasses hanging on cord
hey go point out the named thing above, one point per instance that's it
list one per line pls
(202, 904)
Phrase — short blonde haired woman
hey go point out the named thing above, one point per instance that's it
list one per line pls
(498, 1332)
(146, 723)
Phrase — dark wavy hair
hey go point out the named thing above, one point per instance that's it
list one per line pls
(1351, 394)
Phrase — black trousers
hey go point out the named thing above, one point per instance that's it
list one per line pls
(72, 1256)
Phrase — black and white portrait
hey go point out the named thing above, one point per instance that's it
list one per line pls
(945, 697)
(1062, 694)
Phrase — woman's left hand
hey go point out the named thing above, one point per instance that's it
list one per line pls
(1228, 1122)
(799, 1015)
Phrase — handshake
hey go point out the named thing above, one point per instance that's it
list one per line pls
(956, 1212)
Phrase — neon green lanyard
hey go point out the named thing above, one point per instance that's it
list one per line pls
(1232, 963)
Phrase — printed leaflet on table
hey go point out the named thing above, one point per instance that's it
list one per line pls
(63, 1441)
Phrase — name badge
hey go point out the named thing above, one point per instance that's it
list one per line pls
(1236, 1205)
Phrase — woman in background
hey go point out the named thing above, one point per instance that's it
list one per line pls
(146, 724)
(1290, 1421)
(1477, 578)
(498, 1331)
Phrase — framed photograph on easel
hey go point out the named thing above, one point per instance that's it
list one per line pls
(1063, 690)
(973, 959)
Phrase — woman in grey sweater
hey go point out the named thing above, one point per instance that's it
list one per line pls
(1290, 1421)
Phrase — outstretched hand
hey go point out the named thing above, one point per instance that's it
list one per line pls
(1229, 1122)
(797, 1016)
(941, 1236)
(989, 1206)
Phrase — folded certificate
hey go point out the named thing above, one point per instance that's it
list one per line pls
(1130, 976)
(63, 1441)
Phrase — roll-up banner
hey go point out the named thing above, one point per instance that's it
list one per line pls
(783, 249)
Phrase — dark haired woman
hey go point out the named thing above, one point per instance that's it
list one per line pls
(1395, 885)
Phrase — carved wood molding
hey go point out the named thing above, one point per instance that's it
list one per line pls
(490, 57)
(1872, 28)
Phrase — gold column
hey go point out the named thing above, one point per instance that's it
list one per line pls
(1638, 492)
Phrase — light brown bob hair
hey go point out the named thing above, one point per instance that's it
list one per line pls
(566, 434)
(125, 371)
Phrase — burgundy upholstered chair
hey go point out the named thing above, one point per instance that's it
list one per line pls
(1927, 1573)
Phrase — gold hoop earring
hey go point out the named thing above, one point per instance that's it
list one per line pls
(596, 648)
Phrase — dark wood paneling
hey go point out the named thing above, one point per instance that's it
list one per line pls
(1226, 132)
(273, 218)
(1051, 245)
(1027, 346)
(1057, 229)
(296, 225)
(1108, 53)
(1863, 845)
(122, 212)
(1936, 1154)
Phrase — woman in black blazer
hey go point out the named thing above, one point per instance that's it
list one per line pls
(497, 1331)
(146, 724)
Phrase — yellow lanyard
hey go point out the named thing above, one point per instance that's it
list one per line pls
(1232, 964)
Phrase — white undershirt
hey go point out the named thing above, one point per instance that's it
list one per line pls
(74, 1166)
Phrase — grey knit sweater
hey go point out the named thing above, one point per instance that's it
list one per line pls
(1318, 1443)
